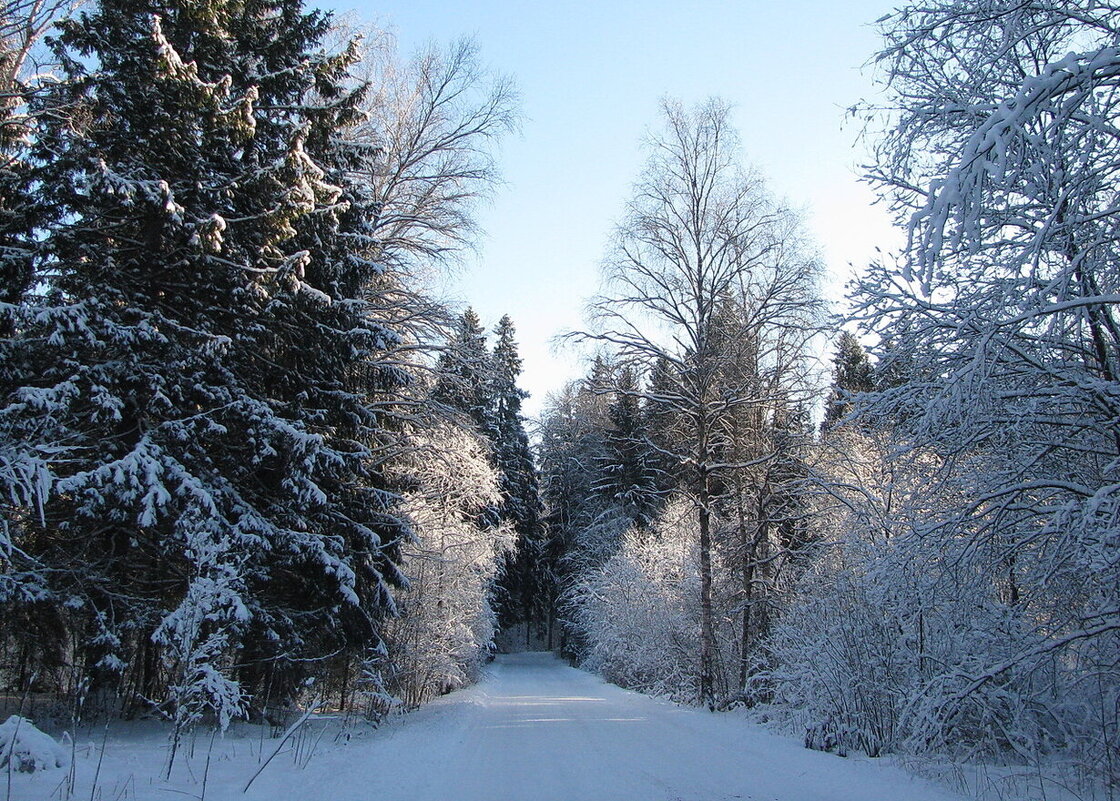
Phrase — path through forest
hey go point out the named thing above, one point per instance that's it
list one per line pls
(533, 729)
(536, 729)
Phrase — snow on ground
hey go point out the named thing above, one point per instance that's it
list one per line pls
(533, 730)
(26, 748)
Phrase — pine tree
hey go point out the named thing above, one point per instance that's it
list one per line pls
(523, 581)
(196, 510)
(463, 375)
(851, 374)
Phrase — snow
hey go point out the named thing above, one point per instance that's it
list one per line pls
(534, 728)
(26, 749)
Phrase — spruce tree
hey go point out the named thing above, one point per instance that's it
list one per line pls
(330, 362)
(572, 454)
(523, 581)
(464, 381)
(629, 480)
(196, 514)
(663, 421)
(511, 444)
(851, 374)
(481, 387)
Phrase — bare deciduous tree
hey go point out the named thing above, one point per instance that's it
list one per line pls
(22, 25)
(1001, 154)
(432, 123)
(701, 236)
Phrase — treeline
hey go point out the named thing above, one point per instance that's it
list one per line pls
(235, 469)
(936, 567)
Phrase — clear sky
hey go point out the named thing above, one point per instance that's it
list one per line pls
(590, 75)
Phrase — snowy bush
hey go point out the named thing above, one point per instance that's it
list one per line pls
(26, 749)
(837, 651)
(837, 665)
(640, 610)
(442, 635)
(914, 632)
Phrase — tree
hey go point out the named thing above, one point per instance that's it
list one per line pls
(441, 637)
(211, 320)
(851, 374)
(523, 580)
(572, 457)
(331, 355)
(433, 120)
(195, 511)
(464, 380)
(629, 480)
(22, 26)
(637, 612)
(1001, 157)
(25, 475)
(700, 232)
(760, 488)
(481, 386)
(23, 23)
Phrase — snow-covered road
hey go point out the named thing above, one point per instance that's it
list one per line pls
(533, 730)
(536, 730)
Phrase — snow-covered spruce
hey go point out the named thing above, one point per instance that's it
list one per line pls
(196, 521)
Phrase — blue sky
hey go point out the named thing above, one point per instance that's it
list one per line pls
(590, 77)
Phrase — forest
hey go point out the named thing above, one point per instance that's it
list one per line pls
(251, 464)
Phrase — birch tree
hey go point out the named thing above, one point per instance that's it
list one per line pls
(700, 231)
(432, 120)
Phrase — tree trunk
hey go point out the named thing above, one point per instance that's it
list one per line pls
(747, 562)
(707, 629)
